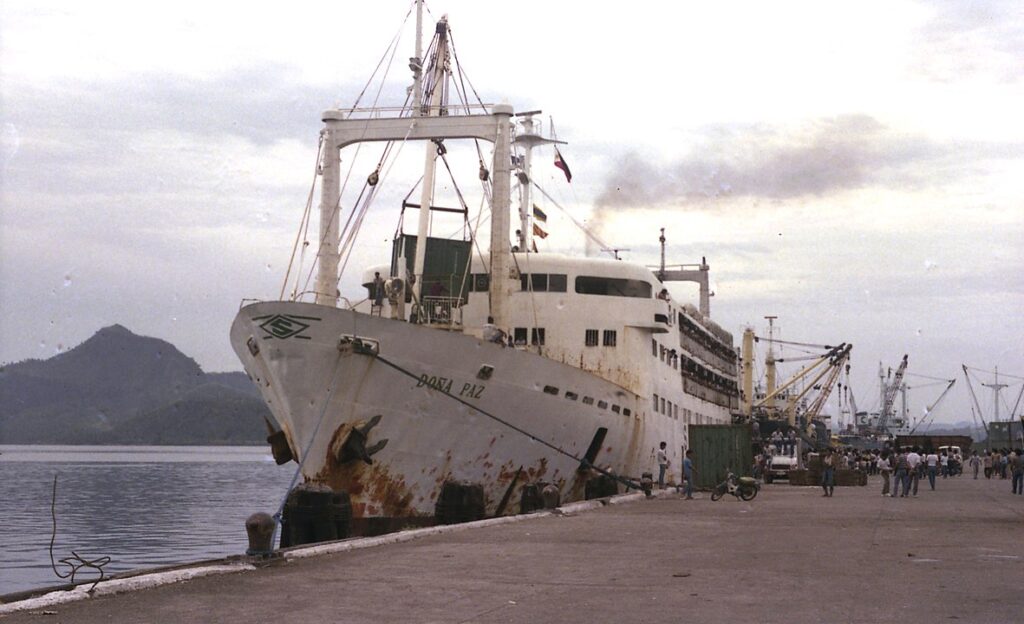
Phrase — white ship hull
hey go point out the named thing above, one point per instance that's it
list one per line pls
(318, 393)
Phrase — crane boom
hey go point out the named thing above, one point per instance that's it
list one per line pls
(890, 396)
(931, 409)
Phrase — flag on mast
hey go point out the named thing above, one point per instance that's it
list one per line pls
(561, 164)
(539, 215)
(539, 232)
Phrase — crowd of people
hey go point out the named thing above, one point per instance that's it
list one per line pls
(902, 470)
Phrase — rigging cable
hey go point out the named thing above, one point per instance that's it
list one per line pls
(605, 247)
(303, 231)
(392, 49)
(583, 462)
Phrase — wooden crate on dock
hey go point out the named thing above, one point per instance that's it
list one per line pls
(813, 477)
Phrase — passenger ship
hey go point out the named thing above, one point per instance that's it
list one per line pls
(500, 371)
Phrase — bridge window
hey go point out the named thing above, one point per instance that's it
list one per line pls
(610, 337)
(591, 338)
(481, 282)
(615, 408)
(602, 404)
(543, 282)
(519, 335)
(572, 396)
(612, 287)
(588, 400)
(625, 411)
(551, 390)
(537, 282)
(537, 336)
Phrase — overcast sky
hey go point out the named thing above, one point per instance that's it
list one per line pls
(856, 169)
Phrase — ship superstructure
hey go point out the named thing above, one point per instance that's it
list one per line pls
(500, 368)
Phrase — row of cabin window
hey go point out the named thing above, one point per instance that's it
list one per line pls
(689, 327)
(610, 336)
(691, 367)
(666, 407)
(669, 356)
(670, 409)
(572, 396)
(558, 282)
(536, 335)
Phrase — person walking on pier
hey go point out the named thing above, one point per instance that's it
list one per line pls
(1017, 471)
(988, 464)
(828, 473)
(913, 468)
(901, 476)
(944, 461)
(688, 471)
(933, 466)
(883, 467)
(663, 464)
(975, 462)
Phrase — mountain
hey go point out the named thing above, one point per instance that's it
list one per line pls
(121, 388)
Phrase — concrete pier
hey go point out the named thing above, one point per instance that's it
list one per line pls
(789, 556)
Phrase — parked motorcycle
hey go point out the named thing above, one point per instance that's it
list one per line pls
(745, 488)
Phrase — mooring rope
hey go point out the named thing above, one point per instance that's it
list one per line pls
(75, 562)
(625, 481)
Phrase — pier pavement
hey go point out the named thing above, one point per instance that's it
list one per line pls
(789, 556)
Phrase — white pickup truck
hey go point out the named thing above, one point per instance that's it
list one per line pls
(781, 464)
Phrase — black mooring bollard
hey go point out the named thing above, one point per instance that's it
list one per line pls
(260, 527)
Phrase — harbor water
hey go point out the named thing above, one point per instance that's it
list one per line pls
(142, 506)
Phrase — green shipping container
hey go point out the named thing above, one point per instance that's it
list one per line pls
(718, 449)
(445, 269)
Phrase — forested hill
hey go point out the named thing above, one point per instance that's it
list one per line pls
(121, 388)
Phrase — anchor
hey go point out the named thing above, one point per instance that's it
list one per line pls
(354, 447)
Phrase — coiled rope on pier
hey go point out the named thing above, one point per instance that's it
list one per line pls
(75, 562)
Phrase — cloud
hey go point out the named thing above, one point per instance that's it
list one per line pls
(822, 157)
(969, 39)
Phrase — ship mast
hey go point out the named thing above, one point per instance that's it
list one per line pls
(527, 137)
(769, 363)
(432, 109)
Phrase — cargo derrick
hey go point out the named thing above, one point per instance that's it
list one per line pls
(799, 410)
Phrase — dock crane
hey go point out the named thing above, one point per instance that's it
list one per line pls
(890, 397)
(828, 365)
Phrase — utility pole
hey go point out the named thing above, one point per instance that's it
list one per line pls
(996, 387)
(769, 363)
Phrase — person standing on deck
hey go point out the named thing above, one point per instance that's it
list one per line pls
(378, 294)
(663, 465)
(883, 467)
(688, 471)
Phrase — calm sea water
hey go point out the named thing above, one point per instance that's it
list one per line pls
(143, 506)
